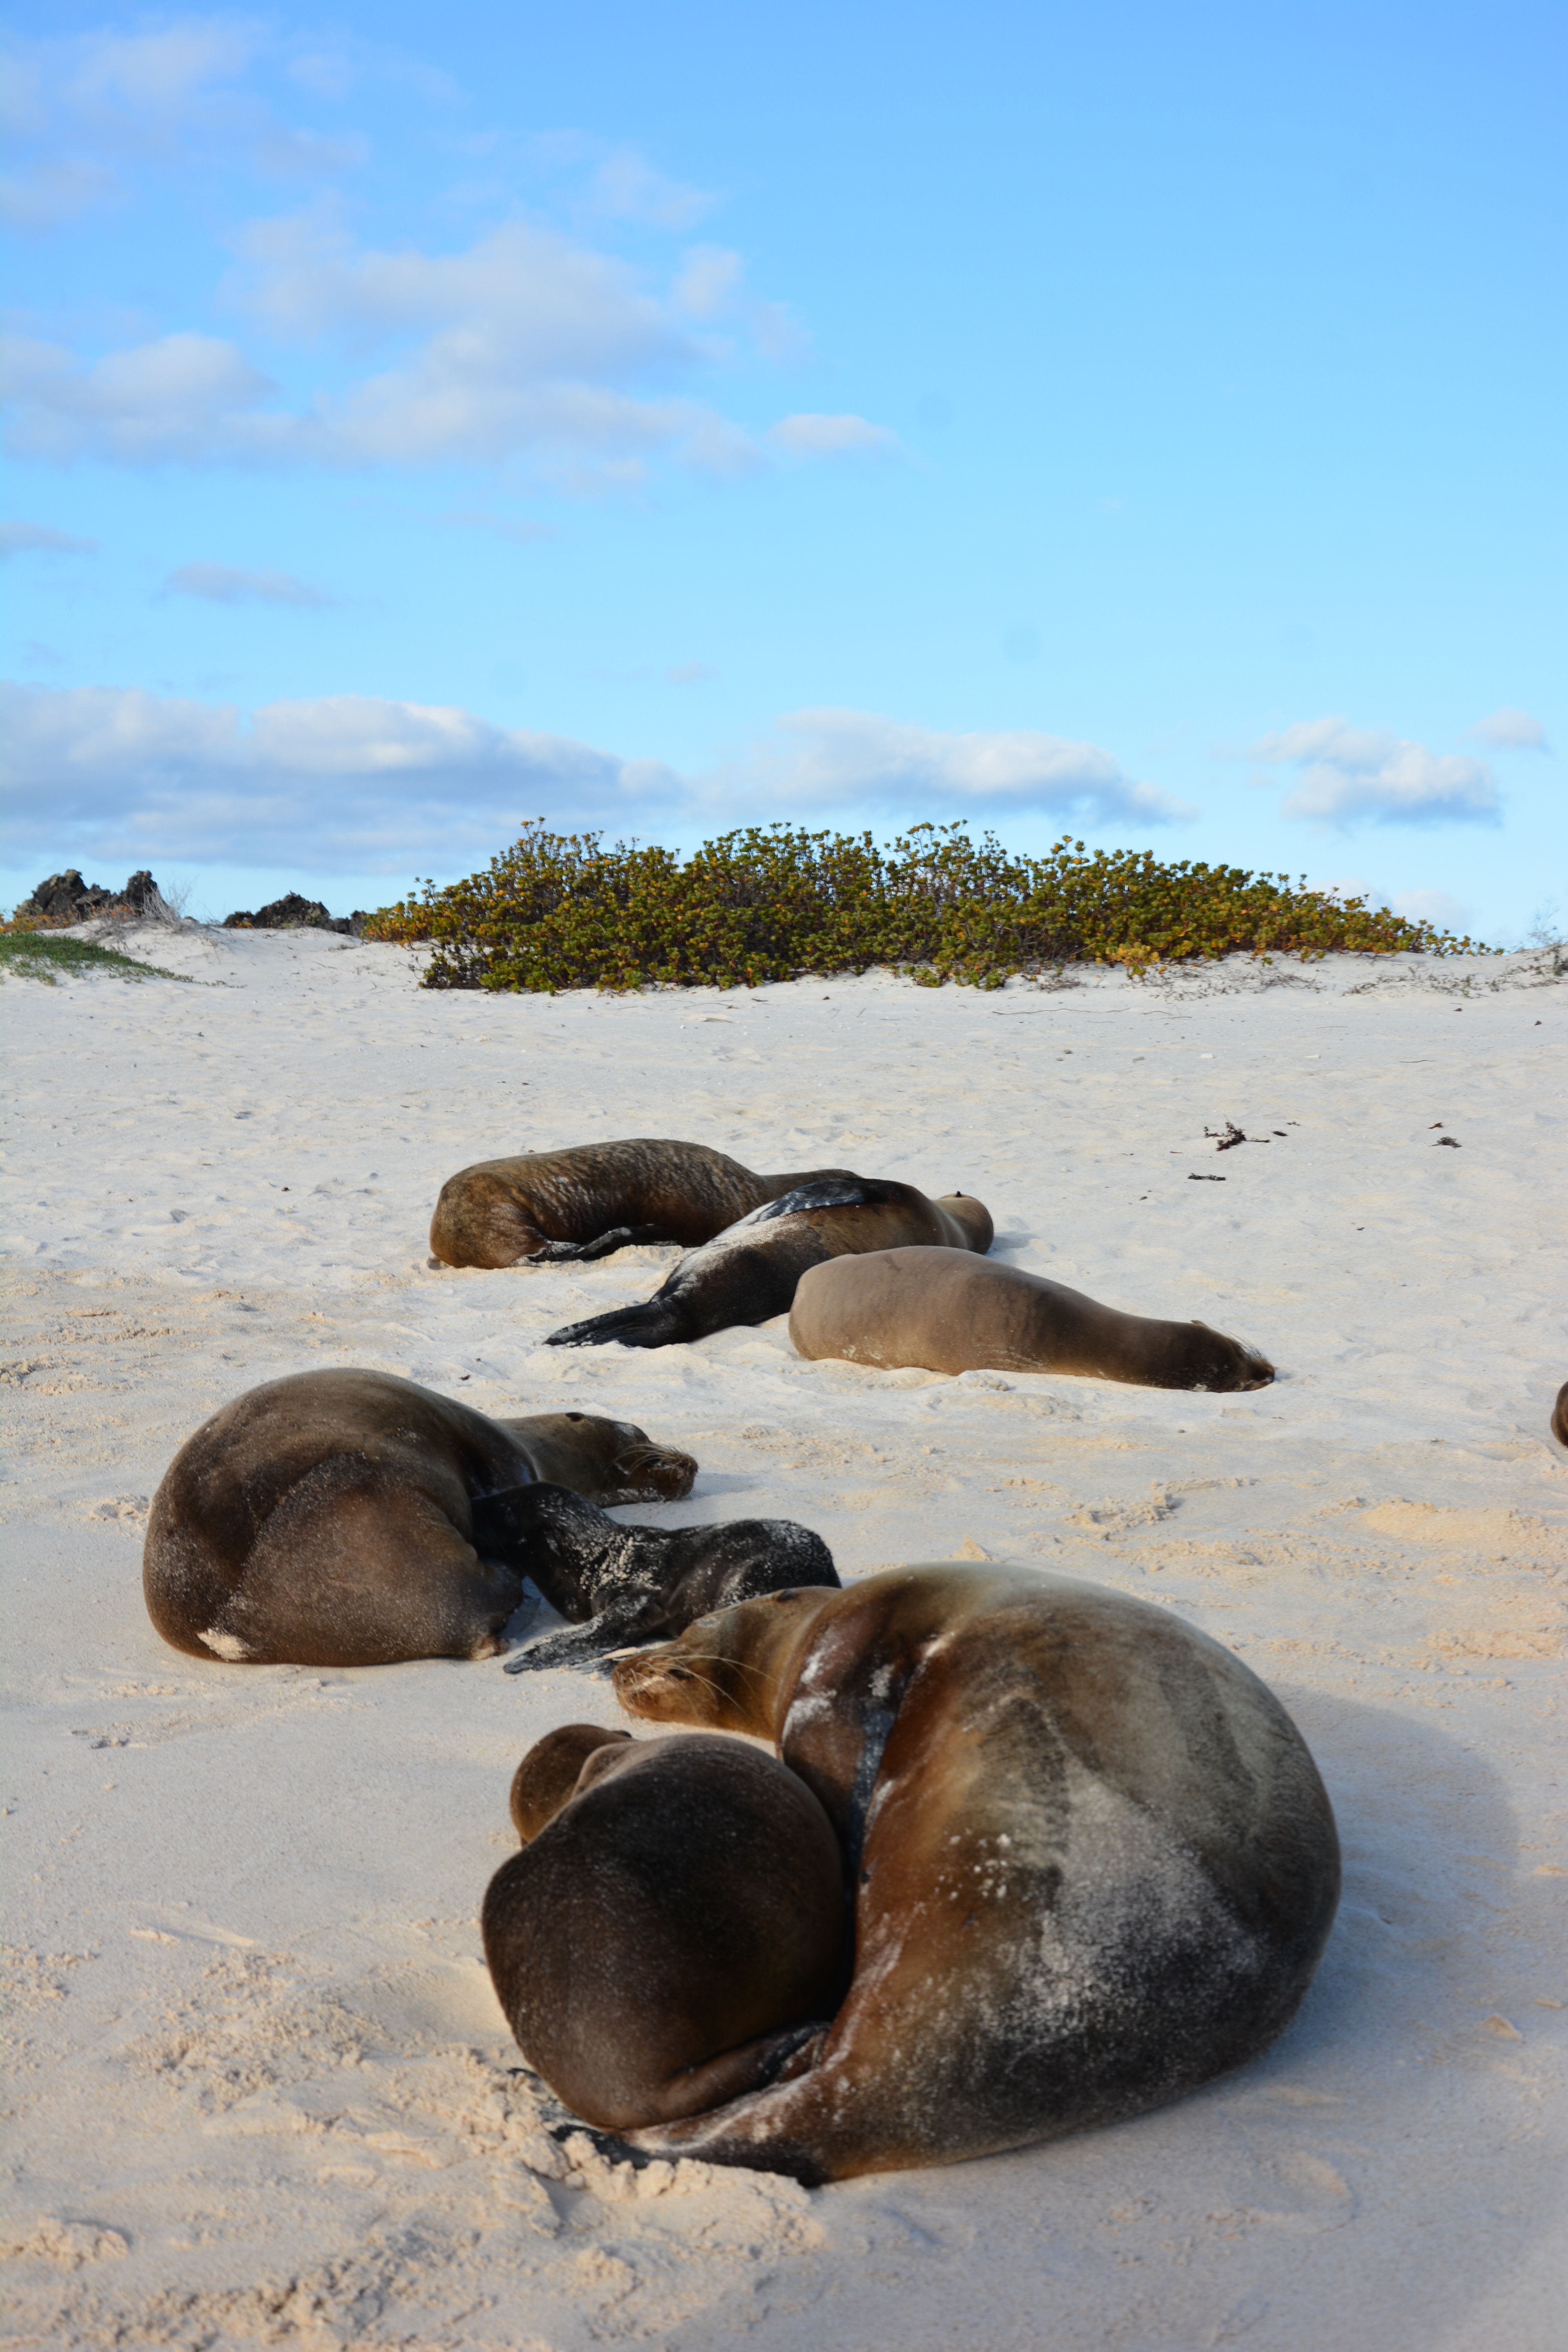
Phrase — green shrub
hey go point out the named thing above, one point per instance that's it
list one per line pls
(41, 955)
(560, 910)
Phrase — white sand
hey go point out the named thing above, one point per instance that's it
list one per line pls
(259, 2077)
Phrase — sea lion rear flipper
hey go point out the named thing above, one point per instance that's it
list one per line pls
(652, 1325)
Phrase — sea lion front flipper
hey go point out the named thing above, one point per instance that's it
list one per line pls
(604, 1245)
(585, 1645)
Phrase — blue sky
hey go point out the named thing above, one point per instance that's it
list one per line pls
(1138, 421)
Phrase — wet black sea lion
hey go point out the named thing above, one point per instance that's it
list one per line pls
(555, 1207)
(673, 1929)
(326, 1519)
(617, 1585)
(1094, 1863)
(749, 1271)
(960, 1314)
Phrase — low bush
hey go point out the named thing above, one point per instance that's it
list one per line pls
(44, 955)
(561, 910)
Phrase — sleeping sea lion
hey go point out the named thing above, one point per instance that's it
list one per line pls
(327, 1519)
(1094, 1863)
(953, 1314)
(673, 1929)
(751, 1271)
(556, 1207)
(1560, 1415)
(617, 1585)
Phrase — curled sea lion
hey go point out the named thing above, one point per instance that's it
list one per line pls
(327, 1519)
(751, 1271)
(1560, 1415)
(617, 1585)
(673, 1929)
(1094, 1863)
(953, 1314)
(556, 1207)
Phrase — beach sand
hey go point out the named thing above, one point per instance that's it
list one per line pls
(259, 2080)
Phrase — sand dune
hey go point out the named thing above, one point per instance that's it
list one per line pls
(260, 2082)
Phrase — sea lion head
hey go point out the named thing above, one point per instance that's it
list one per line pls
(971, 1217)
(1224, 1364)
(553, 1770)
(727, 1669)
(659, 1469)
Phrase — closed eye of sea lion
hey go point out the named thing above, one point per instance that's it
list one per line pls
(673, 1929)
(327, 1519)
(953, 1314)
(1094, 1865)
(557, 1207)
(617, 1585)
(749, 1271)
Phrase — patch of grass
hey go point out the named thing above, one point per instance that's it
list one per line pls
(560, 910)
(43, 955)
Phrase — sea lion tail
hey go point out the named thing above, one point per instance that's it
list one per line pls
(652, 1325)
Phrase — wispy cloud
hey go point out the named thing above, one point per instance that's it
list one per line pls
(525, 345)
(225, 583)
(83, 110)
(1510, 731)
(363, 783)
(832, 436)
(1348, 773)
(38, 538)
(627, 186)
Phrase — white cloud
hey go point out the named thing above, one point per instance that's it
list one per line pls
(356, 784)
(38, 538)
(1510, 731)
(1438, 906)
(1346, 772)
(186, 396)
(223, 584)
(832, 436)
(524, 345)
(349, 782)
(823, 758)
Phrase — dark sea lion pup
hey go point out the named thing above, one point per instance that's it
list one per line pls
(953, 1314)
(327, 1519)
(617, 1585)
(555, 1207)
(673, 1929)
(1560, 1415)
(1093, 1862)
(750, 1273)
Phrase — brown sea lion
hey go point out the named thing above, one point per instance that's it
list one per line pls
(674, 1927)
(327, 1519)
(953, 1314)
(617, 1585)
(556, 1208)
(751, 1271)
(1560, 1415)
(1094, 1863)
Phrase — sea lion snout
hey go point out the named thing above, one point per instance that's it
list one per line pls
(669, 1474)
